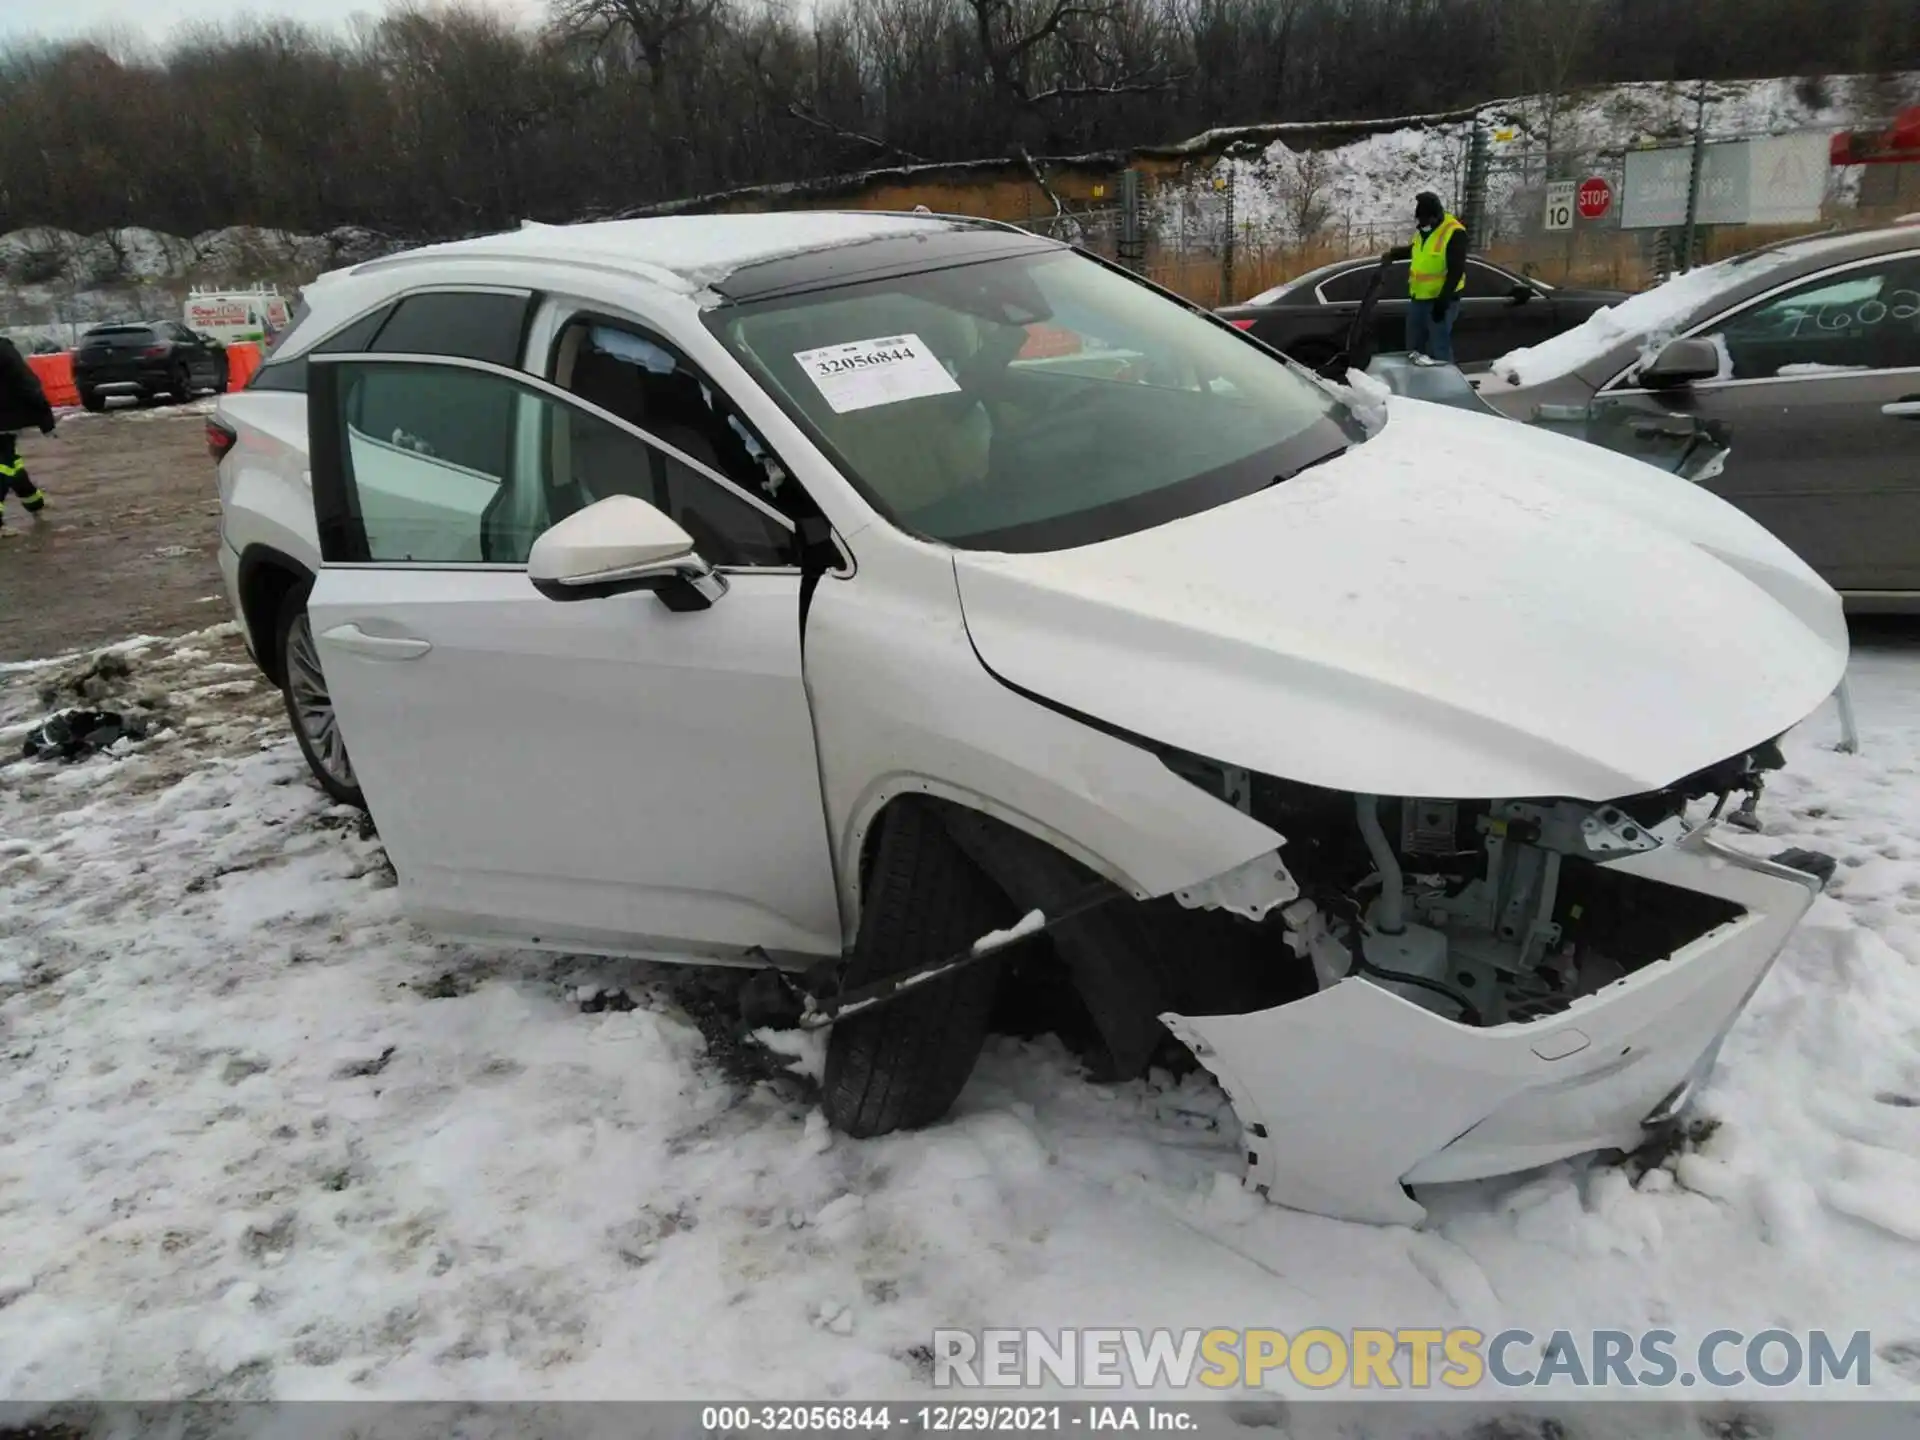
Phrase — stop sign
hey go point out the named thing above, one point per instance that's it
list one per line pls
(1596, 198)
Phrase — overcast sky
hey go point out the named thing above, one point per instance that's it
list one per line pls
(19, 18)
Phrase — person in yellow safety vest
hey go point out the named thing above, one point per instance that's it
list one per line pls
(22, 403)
(1436, 275)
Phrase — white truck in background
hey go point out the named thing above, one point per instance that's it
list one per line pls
(236, 317)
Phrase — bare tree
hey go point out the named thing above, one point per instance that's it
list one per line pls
(1546, 41)
(425, 122)
(651, 27)
(1042, 53)
(1302, 182)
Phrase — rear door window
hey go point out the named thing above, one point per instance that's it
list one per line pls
(1349, 287)
(484, 325)
(475, 325)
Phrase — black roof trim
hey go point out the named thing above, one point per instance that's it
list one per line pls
(963, 243)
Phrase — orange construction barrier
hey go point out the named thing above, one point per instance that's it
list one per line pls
(56, 372)
(56, 377)
(242, 360)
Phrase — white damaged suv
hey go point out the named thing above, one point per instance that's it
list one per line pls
(823, 592)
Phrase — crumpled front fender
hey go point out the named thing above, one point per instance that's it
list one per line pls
(1349, 1096)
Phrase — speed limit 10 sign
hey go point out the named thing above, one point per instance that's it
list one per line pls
(1560, 202)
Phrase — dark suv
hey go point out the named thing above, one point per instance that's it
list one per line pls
(146, 361)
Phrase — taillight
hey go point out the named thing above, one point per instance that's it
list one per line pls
(1241, 324)
(154, 352)
(220, 439)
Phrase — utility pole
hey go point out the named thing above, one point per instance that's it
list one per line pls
(1475, 207)
(1693, 181)
(1225, 185)
(1132, 241)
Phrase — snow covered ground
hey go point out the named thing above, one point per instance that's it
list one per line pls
(260, 1138)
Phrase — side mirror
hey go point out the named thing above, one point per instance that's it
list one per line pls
(617, 545)
(1520, 294)
(1681, 362)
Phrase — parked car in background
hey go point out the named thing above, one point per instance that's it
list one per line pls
(1808, 352)
(835, 592)
(1683, 445)
(145, 361)
(1308, 317)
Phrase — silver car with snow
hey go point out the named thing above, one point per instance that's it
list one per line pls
(777, 591)
(1808, 355)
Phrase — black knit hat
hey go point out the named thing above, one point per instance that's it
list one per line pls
(1426, 204)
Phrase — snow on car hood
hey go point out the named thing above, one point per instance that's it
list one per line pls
(1650, 317)
(1460, 607)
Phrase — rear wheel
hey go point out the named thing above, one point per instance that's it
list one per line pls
(222, 374)
(902, 1065)
(310, 710)
(92, 401)
(180, 383)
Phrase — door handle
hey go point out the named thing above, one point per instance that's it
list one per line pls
(1906, 408)
(356, 641)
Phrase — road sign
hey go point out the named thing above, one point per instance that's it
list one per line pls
(1560, 203)
(1776, 180)
(1596, 197)
(1789, 178)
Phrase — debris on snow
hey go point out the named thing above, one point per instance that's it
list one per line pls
(74, 734)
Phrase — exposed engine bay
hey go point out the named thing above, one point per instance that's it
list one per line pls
(1485, 912)
(1409, 991)
(1486, 986)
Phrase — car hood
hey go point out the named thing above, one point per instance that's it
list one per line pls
(1459, 607)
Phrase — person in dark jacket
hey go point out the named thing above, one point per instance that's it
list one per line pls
(22, 404)
(1436, 276)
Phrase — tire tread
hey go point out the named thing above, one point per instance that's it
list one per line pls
(903, 1065)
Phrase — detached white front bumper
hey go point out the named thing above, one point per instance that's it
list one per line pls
(1351, 1095)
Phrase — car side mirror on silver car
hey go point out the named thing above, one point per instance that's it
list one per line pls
(1681, 362)
(617, 545)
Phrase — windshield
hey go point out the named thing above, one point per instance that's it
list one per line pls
(1033, 402)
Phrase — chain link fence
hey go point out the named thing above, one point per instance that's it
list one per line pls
(1226, 231)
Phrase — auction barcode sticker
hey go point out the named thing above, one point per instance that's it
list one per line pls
(863, 373)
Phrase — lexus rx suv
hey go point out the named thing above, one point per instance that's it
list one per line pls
(873, 600)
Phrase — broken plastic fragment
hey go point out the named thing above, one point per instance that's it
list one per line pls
(1251, 889)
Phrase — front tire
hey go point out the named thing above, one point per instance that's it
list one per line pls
(92, 401)
(303, 685)
(903, 1064)
(180, 384)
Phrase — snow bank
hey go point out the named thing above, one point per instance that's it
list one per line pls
(259, 1137)
(55, 283)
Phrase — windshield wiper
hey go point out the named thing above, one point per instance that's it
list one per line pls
(1286, 475)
